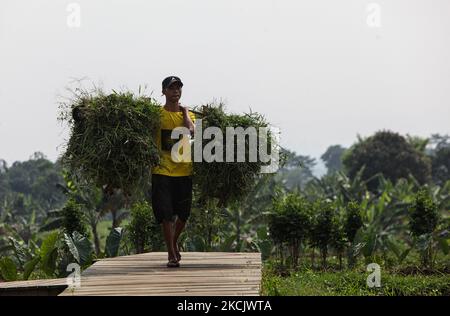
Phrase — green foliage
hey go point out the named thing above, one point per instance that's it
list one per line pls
(338, 185)
(8, 270)
(30, 185)
(424, 218)
(390, 154)
(353, 220)
(352, 283)
(339, 240)
(112, 139)
(21, 251)
(263, 242)
(333, 158)
(370, 218)
(419, 143)
(73, 218)
(143, 231)
(205, 229)
(424, 215)
(325, 224)
(95, 204)
(113, 242)
(400, 251)
(80, 247)
(29, 257)
(441, 165)
(241, 226)
(290, 222)
(48, 253)
(30, 266)
(440, 158)
(291, 218)
(295, 170)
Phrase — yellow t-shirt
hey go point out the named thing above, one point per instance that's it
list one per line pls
(167, 166)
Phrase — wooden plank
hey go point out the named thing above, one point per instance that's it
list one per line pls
(169, 293)
(33, 283)
(50, 287)
(165, 287)
(201, 273)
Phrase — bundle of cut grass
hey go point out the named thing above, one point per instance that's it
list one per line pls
(228, 181)
(112, 139)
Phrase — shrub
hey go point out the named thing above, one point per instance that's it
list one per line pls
(290, 222)
(353, 220)
(143, 232)
(338, 240)
(424, 218)
(203, 231)
(324, 227)
(73, 218)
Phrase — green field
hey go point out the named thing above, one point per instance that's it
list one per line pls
(353, 283)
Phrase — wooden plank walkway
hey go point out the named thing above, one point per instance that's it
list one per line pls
(47, 287)
(200, 273)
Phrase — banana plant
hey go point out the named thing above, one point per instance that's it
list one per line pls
(338, 186)
(80, 247)
(245, 220)
(113, 242)
(382, 218)
(438, 239)
(8, 270)
(398, 249)
(27, 257)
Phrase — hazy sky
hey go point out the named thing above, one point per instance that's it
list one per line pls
(317, 69)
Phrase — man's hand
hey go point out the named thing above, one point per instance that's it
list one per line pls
(187, 122)
(184, 109)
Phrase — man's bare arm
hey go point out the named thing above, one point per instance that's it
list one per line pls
(187, 122)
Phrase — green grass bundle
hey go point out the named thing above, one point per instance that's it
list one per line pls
(227, 181)
(112, 139)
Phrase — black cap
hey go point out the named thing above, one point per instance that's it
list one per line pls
(169, 80)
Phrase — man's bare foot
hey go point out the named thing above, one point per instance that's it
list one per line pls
(173, 263)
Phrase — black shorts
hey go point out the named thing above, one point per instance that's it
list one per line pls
(171, 196)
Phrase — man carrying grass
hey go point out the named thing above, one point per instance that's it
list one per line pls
(172, 180)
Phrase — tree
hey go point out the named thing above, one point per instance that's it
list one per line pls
(36, 180)
(440, 158)
(439, 141)
(4, 186)
(333, 158)
(338, 240)
(390, 154)
(418, 142)
(441, 165)
(290, 222)
(324, 227)
(353, 220)
(296, 170)
(3, 166)
(424, 218)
